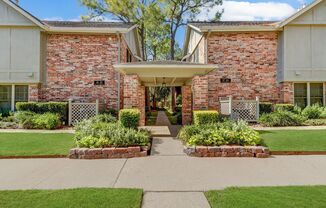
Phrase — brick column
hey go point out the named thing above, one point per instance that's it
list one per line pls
(34, 92)
(287, 92)
(200, 92)
(186, 105)
(134, 95)
(141, 105)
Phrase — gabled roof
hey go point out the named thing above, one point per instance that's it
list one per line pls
(25, 13)
(71, 26)
(299, 13)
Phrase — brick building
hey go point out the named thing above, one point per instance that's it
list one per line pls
(280, 62)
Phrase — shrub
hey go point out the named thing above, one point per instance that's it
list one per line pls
(203, 117)
(110, 111)
(282, 118)
(232, 133)
(129, 117)
(4, 112)
(284, 107)
(265, 108)
(106, 118)
(312, 112)
(60, 108)
(100, 134)
(30, 120)
(315, 122)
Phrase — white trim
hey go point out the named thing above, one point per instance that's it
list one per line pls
(25, 14)
(12, 97)
(299, 13)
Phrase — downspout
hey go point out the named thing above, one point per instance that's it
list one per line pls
(119, 76)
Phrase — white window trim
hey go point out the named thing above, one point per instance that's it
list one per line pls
(308, 91)
(13, 94)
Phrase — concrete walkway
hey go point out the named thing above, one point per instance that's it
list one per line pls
(162, 119)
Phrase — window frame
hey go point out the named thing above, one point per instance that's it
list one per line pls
(308, 91)
(13, 94)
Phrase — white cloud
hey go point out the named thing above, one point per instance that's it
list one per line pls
(247, 11)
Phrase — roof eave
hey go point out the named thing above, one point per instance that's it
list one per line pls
(239, 28)
(86, 30)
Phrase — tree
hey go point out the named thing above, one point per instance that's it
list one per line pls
(17, 1)
(178, 12)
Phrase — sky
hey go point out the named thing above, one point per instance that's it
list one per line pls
(233, 10)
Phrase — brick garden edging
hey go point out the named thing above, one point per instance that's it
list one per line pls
(109, 153)
(227, 151)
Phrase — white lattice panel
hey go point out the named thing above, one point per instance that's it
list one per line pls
(81, 111)
(244, 110)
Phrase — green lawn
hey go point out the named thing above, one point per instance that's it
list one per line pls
(271, 197)
(33, 144)
(72, 198)
(295, 140)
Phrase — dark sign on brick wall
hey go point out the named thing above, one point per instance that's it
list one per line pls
(225, 80)
(99, 82)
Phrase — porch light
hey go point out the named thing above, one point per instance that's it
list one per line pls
(164, 83)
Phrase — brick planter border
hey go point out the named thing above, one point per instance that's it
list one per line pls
(109, 153)
(227, 151)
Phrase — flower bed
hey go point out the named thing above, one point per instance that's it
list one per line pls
(225, 139)
(103, 137)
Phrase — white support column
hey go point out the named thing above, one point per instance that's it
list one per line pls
(69, 112)
(257, 108)
(12, 97)
(97, 106)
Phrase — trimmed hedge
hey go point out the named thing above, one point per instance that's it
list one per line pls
(284, 107)
(60, 108)
(203, 117)
(265, 108)
(129, 118)
(30, 120)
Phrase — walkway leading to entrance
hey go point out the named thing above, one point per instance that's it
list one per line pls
(162, 119)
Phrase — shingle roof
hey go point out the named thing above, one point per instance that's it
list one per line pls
(85, 24)
(232, 23)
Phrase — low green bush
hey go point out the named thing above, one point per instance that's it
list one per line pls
(30, 120)
(91, 134)
(60, 108)
(106, 118)
(110, 111)
(282, 118)
(313, 112)
(265, 108)
(202, 117)
(129, 118)
(315, 122)
(284, 107)
(226, 133)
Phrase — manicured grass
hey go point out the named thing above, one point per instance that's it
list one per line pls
(151, 119)
(272, 197)
(295, 140)
(32, 144)
(72, 198)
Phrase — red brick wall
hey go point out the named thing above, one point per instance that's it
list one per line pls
(287, 92)
(186, 105)
(249, 60)
(200, 92)
(74, 62)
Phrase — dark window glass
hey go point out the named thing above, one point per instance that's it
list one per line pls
(316, 94)
(300, 94)
(5, 98)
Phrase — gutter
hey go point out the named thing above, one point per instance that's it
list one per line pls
(119, 76)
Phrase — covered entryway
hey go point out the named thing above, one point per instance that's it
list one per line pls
(189, 76)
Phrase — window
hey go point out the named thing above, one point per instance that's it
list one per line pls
(5, 97)
(300, 94)
(308, 94)
(9, 100)
(316, 93)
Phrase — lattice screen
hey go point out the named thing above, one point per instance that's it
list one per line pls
(81, 111)
(245, 110)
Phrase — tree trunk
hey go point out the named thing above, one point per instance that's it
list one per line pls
(172, 44)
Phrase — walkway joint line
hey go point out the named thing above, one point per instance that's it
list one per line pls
(120, 171)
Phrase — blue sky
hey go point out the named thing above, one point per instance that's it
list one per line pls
(234, 10)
